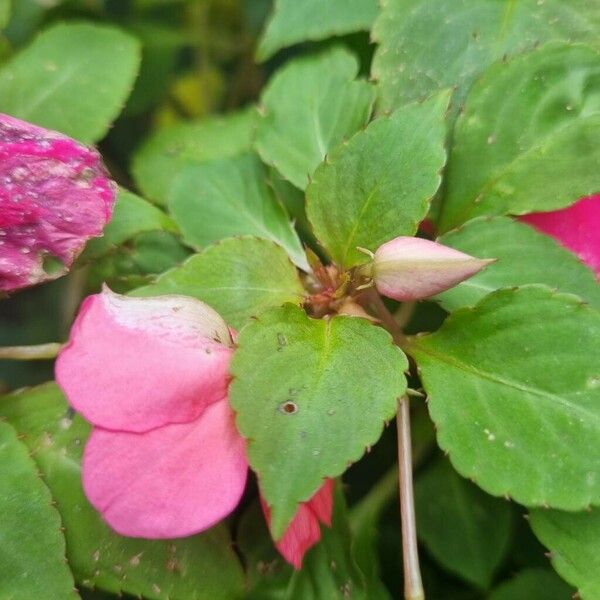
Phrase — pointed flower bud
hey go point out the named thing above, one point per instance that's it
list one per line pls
(408, 268)
(54, 196)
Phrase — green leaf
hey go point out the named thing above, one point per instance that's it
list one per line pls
(169, 151)
(531, 126)
(267, 572)
(296, 131)
(293, 22)
(32, 547)
(365, 516)
(196, 568)
(161, 47)
(524, 256)
(131, 215)
(305, 398)
(427, 45)
(514, 388)
(74, 78)
(231, 197)
(136, 263)
(329, 570)
(238, 277)
(379, 184)
(293, 200)
(533, 584)
(574, 543)
(5, 6)
(465, 530)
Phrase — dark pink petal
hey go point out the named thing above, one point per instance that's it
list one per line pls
(408, 268)
(322, 502)
(303, 533)
(171, 482)
(576, 227)
(133, 364)
(54, 196)
(304, 530)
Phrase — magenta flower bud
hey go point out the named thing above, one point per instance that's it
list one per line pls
(54, 195)
(408, 268)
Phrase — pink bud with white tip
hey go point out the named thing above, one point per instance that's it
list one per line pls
(408, 268)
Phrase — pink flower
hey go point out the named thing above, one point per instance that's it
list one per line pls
(576, 227)
(304, 531)
(54, 196)
(408, 268)
(164, 458)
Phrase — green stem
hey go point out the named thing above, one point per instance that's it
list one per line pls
(39, 352)
(413, 586)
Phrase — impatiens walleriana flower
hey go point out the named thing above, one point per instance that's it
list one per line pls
(305, 531)
(164, 459)
(54, 196)
(408, 268)
(576, 227)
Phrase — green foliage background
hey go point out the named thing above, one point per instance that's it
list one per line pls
(217, 118)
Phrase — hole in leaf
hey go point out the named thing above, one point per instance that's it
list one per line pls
(52, 264)
(288, 408)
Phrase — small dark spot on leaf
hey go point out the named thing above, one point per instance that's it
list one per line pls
(288, 407)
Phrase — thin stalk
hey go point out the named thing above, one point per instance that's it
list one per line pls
(72, 295)
(386, 317)
(404, 314)
(413, 586)
(39, 352)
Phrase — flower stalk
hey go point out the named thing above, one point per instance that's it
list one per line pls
(38, 352)
(413, 586)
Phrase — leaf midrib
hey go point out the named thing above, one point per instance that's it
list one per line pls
(547, 396)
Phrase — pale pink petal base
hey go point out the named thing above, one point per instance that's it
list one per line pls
(304, 531)
(133, 364)
(55, 195)
(171, 482)
(408, 268)
(576, 227)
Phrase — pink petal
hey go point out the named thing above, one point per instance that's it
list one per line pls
(304, 530)
(576, 227)
(54, 196)
(133, 364)
(322, 502)
(408, 268)
(303, 533)
(171, 482)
